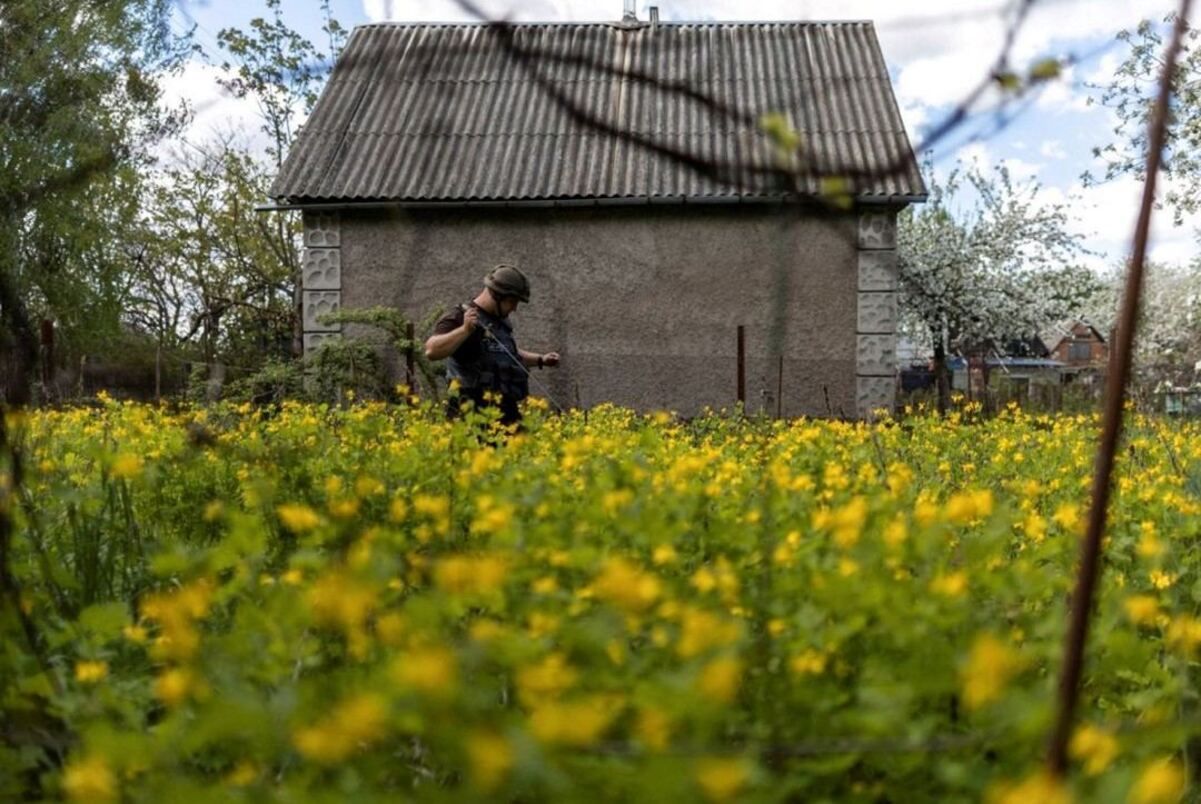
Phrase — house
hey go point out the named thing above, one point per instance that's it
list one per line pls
(1018, 365)
(438, 150)
(1082, 349)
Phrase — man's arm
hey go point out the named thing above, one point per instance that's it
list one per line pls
(532, 359)
(442, 345)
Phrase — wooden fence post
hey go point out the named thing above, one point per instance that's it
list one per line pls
(742, 366)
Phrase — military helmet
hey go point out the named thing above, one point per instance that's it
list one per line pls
(505, 280)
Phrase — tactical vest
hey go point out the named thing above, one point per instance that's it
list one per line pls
(498, 368)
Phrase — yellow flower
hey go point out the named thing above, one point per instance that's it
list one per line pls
(1149, 545)
(990, 666)
(89, 779)
(338, 600)
(344, 508)
(471, 575)
(626, 586)
(1183, 634)
(297, 517)
(490, 756)
(1161, 782)
(1038, 788)
(721, 779)
(244, 774)
(663, 554)
(548, 678)
(90, 672)
(176, 685)
(134, 633)
(433, 671)
(176, 613)
(126, 466)
(576, 723)
(1161, 579)
(1067, 516)
(720, 678)
(653, 729)
(951, 585)
(896, 532)
(354, 722)
(969, 506)
(704, 580)
(546, 585)
(1141, 609)
(213, 511)
(1095, 747)
(809, 663)
(492, 517)
(847, 522)
(701, 631)
(398, 509)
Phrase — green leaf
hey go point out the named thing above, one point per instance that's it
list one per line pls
(1008, 81)
(104, 620)
(1045, 70)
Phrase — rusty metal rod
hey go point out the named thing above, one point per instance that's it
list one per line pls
(410, 359)
(742, 366)
(780, 388)
(1111, 425)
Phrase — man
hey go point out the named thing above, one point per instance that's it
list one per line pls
(478, 340)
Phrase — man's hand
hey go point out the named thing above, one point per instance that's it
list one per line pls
(550, 359)
(471, 319)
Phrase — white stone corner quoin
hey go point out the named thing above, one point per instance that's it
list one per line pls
(876, 320)
(321, 276)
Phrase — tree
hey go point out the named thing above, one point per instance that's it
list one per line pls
(1131, 96)
(283, 72)
(1169, 328)
(1003, 268)
(80, 108)
(211, 276)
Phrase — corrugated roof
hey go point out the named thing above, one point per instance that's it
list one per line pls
(475, 113)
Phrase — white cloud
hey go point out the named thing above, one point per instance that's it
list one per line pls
(1052, 149)
(1107, 214)
(216, 112)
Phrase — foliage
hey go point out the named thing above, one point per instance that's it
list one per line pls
(280, 69)
(1169, 326)
(321, 603)
(213, 276)
(394, 325)
(78, 111)
(1131, 97)
(1004, 268)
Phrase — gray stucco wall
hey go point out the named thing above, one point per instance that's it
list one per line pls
(644, 302)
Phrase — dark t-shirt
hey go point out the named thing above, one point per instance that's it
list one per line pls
(469, 350)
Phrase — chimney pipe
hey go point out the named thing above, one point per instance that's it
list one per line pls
(628, 14)
(654, 14)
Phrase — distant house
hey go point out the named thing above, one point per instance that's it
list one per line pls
(436, 151)
(1018, 364)
(1081, 348)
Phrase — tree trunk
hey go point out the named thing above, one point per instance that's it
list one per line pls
(14, 317)
(942, 379)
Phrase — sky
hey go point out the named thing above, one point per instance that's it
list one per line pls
(936, 50)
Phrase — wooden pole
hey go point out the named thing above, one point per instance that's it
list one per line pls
(410, 365)
(158, 372)
(742, 366)
(1111, 424)
(780, 387)
(47, 352)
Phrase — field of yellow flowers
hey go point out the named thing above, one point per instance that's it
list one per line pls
(314, 603)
